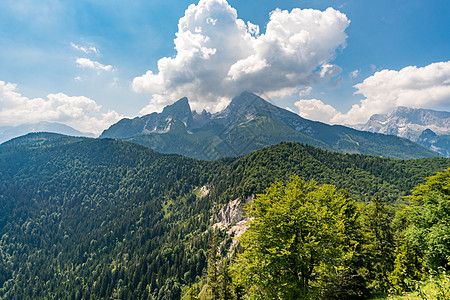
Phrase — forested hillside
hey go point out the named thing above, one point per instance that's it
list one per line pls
(99, 218)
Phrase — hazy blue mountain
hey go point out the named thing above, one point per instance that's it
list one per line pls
(249, 123)
(415, 125)
(438, 143)
(9, 132)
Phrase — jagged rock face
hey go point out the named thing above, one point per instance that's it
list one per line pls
(409, 122)
(173, 116)
(231, 217)
(231, 213)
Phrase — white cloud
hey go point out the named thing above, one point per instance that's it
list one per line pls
(425, 87)
(219, 56)
(81, 112)
(354, 74)
(289, 109)
(87, 63)
(316, 110)
(306, 91)
(329, 71)
(87, 49)
(114, 82)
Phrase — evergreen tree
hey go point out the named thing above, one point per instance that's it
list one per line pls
(380, 243)
(213, 279)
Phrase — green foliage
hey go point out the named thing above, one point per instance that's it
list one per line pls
(363, 176)
(99, 218)
(406, 269)
(430, 220)
(437, 287)
(299, 234)
(380, 247)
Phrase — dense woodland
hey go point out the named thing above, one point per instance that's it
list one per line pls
(101, 218)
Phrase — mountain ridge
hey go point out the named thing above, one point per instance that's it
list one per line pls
(249, 123)
(414, 124)
(9, 132)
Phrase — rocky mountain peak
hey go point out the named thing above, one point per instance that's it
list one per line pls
(180, 106)
(180, 110)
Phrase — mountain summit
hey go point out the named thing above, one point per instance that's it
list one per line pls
(249, 123)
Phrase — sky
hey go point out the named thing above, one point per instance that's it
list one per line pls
(88, 64)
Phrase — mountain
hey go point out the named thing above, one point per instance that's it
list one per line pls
(414, 124)
(85, 218)
(249, 123)
(438, 143)
(9, 132)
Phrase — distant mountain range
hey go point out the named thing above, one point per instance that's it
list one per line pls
(9, 132)
(427, 127)
(249, 123)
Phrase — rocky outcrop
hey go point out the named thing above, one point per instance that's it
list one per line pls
(231, 218)
(231, 213)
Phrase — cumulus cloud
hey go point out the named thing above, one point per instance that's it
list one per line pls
(218, 55)
(425, 87)
(81, 112)
(94, 65)
(316, 110)
(85, 49)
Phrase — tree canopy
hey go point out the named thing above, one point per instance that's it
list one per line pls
(300, 235)
(430, 220)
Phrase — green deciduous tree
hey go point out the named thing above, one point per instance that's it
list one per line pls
(430, 220)
(406, 268)
(301, 240)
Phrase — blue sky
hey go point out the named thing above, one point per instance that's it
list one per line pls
(87, 63)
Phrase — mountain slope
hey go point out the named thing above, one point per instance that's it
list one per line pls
(100, 218)
(415, 125)
(438, 143)
(246, 124)
(9, 132)
(409, 122)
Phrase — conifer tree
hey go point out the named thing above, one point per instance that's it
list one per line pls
(214, 270)
(380, 243)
